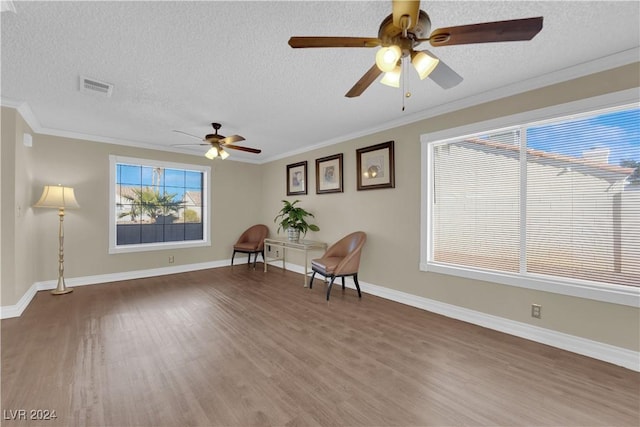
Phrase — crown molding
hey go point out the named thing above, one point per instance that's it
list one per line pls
(601, 64)
(32, 121)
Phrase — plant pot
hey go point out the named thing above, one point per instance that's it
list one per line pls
(293, 235)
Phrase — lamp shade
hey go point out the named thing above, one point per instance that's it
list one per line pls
(387, 58)
(212, 153)
(392, 78)
(57, 196)
(424, 63)
(223, 154)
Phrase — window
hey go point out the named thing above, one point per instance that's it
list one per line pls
(157, 205)
(476, 201)
(548, 205)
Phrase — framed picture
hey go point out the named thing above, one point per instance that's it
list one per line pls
(297, 178)
(329, 174)
(375, 166)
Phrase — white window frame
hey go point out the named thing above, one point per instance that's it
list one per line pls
(617, 294)
(114, 248)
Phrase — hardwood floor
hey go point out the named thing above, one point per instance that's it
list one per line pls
(238, 347)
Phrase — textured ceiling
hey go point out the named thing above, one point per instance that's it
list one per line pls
(182, 65)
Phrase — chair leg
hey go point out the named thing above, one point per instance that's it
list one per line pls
(311, 281)
(255, 259)
(343, 283)
(355, 279)
(330, 285)
(233, 256)
(249, 259)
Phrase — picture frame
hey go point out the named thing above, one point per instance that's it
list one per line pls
(375, 166)
(329, 174)
(297, 178)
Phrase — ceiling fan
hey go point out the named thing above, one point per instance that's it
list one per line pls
(407, 27)
(218, 143)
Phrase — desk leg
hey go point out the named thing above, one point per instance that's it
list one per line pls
(283, 259)
(305, 269)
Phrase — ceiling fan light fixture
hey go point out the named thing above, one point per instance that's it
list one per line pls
(392, 78)
(424, 63)
(387, 57)
(212, 153)
(217, 142)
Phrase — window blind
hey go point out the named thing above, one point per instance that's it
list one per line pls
(560, 199)
(583, 203)
(476, 206)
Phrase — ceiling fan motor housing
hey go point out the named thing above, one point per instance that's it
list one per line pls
(389, 34)
(399, 35)
(214, 136)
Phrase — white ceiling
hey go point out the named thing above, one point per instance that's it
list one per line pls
(182, 65)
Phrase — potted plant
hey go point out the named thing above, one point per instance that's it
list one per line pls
(292, 219)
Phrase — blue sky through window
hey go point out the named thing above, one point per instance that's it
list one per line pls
(618, 131)
(173, 181)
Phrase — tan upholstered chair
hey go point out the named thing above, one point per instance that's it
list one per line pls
(251, 242)
(341, 259)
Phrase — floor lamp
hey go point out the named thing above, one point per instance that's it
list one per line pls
(57, 196)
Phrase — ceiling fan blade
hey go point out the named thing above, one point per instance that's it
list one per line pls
(189, 145)
(231, 139)
(300, 42)
(364, 82)
(188, 134)
(488, 32)
(247, 149)
(410, 8)
(443, 75)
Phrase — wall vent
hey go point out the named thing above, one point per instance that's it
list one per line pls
(90, 85)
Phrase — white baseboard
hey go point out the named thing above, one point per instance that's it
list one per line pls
(16, 310)
(597, 350)
(129, 275)
(9, 311)
(618, 356)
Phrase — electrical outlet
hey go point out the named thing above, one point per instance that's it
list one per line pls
(171, 259)
(277, 254)
(536, 311)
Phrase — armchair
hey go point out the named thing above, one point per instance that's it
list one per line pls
(340, 260)
(251, 242)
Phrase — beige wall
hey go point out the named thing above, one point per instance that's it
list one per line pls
(7, 198)
(244, 194)
(17, 220)
(391, 219)
(30, 252)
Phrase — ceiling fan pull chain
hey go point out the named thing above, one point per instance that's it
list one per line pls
(404, 74)
(415, 28)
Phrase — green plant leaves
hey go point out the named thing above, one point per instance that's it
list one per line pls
(291, 216)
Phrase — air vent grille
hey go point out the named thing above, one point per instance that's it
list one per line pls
(90, 85)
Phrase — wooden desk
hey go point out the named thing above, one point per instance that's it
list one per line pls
(300, 246)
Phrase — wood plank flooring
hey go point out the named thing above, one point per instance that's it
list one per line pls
(239, 347)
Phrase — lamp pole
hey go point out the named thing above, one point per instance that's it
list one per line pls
(61, 289)
(57, 196)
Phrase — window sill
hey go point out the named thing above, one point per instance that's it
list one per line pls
(148, 247)
(615, 294)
